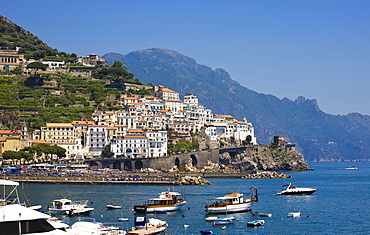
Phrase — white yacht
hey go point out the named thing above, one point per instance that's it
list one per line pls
(17, 219)
(292, 190)
(97, 228)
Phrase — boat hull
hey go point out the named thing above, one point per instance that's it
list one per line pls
(307, 192)
(152, 209)
(243, 207)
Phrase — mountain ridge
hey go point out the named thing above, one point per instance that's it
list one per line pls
(319, 136)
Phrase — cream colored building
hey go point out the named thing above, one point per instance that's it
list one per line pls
(10, 140)
(10, 59)
(63, 135)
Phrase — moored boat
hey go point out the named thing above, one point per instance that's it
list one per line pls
(232, 203)
(206, 231)
(148, 226)
(294, 214)
(167, 201)
(17, 219)
(224, 220)
(293, 190)
(111, 207)
(69, 207)
(265, 215)
(88, 227)
(256, 223)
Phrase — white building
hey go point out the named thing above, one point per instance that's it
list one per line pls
(191, 101)
(97, 139)
(165, 93)
(157, 142)
(130, 146)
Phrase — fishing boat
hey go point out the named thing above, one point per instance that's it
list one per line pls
(256, 223)
(111, 207)
(167, 201)
(69, 207)
(232, 203)
(148, 226)
(293, 190)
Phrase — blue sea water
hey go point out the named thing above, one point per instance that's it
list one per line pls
(339, 206)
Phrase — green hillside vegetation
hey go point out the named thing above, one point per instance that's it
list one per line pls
(44, 98)
(13, 36)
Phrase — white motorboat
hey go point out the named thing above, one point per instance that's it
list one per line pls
(148, 226)
(260, 222)
(17, 219)
(69, 207)
(293, 190)
(352, 168)
(294, 214)
(232, 203)
(167, 201)
(111, 207)
(87, 228)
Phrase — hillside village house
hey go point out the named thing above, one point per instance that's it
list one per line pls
(10, 59)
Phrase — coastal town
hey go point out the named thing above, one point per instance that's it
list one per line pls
(144, 127)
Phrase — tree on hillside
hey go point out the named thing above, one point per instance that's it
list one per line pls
(117, 74)
(35, 66)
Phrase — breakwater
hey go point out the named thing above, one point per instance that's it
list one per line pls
(133, 178)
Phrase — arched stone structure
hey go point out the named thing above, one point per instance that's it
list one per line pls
(194, 161)
(127, 166)
(117, 165)
(95, 165)
(138, 165)
(177, 162)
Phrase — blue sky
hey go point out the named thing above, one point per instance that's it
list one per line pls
(317, 49)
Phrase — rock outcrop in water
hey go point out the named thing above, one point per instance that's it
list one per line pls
(192, 180)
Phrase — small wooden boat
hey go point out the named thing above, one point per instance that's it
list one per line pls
(211, 218)
(222, 221)
(111, 207)
(148, 226)
(256, 223)
(207, 231)
(294, 214)
(265, 214)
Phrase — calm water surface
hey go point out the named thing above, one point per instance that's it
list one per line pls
(339, 206)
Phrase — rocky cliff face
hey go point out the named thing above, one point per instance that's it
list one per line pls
(266, 158)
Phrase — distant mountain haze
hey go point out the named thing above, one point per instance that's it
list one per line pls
(319, 136)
